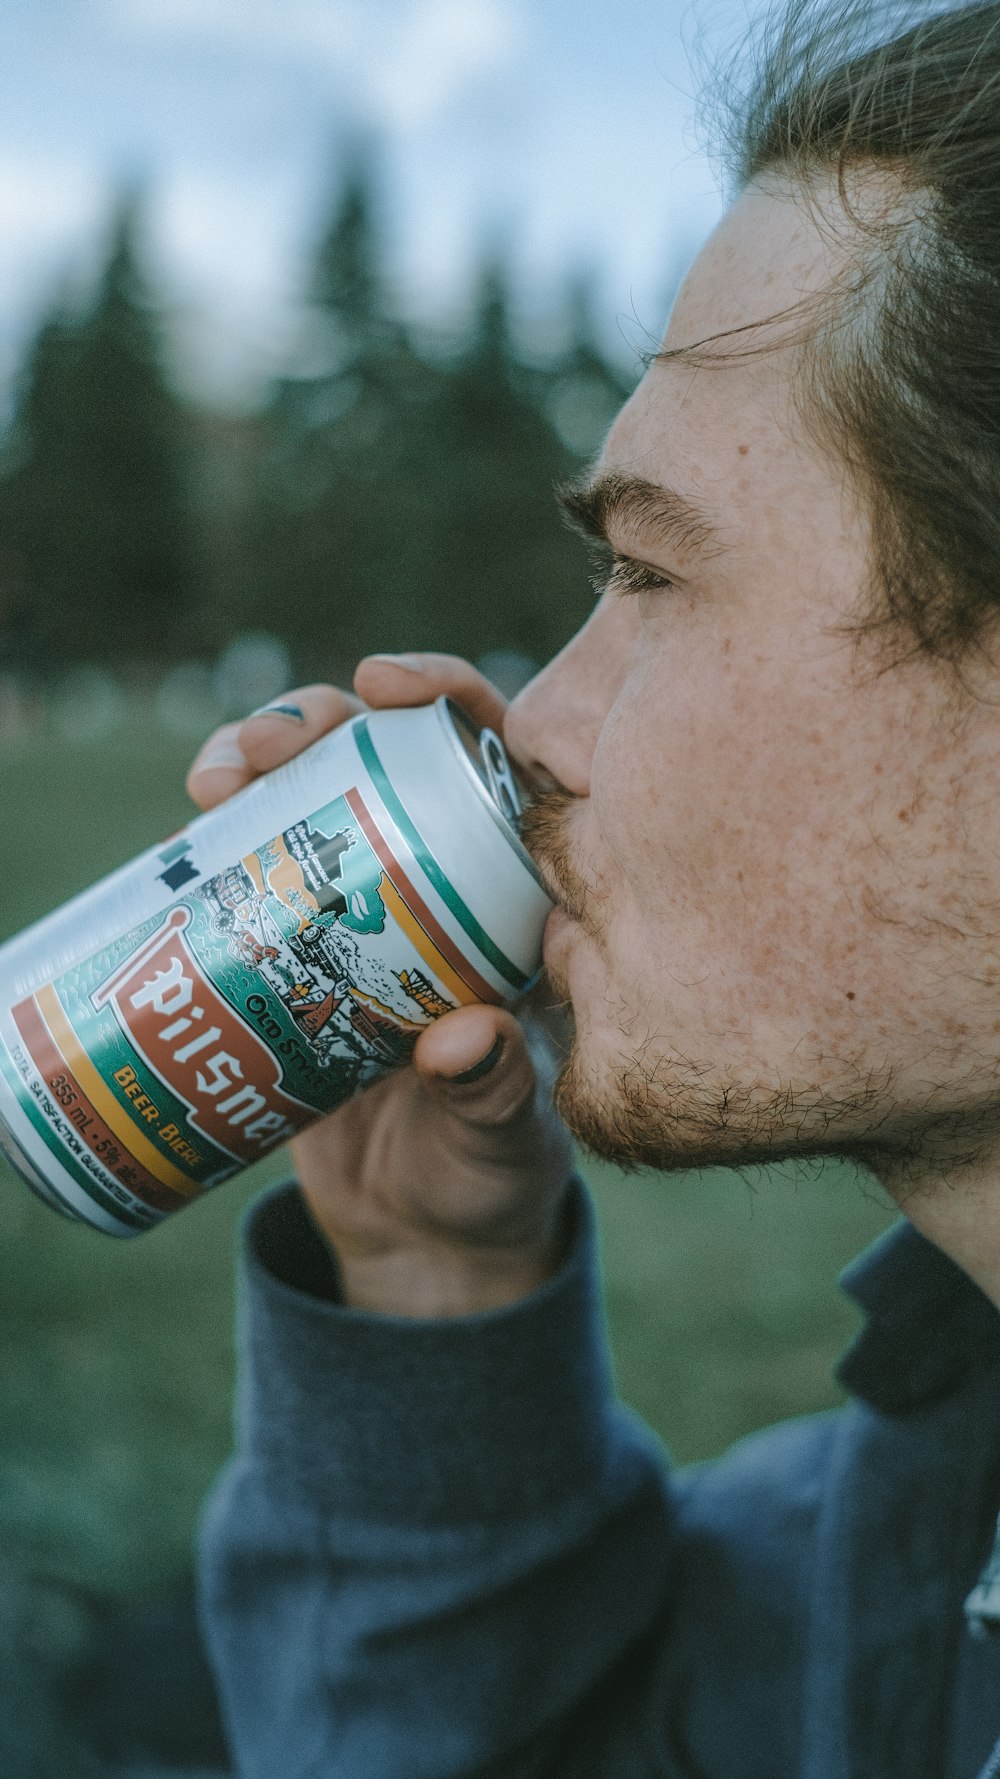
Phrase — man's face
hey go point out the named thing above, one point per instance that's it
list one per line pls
(783, 865)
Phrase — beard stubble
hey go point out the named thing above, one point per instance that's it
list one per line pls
(652, 1106)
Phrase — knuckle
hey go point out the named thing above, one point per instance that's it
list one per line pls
(323, 695)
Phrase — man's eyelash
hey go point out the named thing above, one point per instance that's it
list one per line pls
(622, 574)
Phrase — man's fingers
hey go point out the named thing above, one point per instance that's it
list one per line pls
(239, 752)
(477, 1063)
(388, 681)
(220, 768)
(280, 730)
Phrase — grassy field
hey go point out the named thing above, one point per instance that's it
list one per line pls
(116, 1362)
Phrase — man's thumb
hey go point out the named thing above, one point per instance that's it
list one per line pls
(477, 1063)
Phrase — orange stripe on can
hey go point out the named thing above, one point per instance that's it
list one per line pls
(417, 906)
(100, 1096)
(50, 1063)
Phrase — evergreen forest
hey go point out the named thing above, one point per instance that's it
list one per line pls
(393, 489)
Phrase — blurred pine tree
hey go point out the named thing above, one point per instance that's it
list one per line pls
(512, 576)
(347, 284)
(94, 500)
(391, 495)
(405, 498)
(336, 449)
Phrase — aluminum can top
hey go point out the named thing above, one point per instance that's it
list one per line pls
(497, 780)
(424, 763)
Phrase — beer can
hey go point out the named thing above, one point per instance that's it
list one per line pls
(207, 1001)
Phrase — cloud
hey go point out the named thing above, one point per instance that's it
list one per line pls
(293, 28)
(440, 46)
(403, 61)
(212, 226)
(44, 199)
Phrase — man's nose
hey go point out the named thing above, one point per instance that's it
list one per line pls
(551, 728)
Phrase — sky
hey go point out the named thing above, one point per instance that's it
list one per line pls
(559, 129)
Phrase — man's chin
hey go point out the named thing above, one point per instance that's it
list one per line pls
(611, 1130)
(635, 1118)
(616, 1122)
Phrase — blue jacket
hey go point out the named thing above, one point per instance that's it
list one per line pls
(444, 1550)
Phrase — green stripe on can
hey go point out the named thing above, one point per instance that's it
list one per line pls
(429, 865)
(62, 1155)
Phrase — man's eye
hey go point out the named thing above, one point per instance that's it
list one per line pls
(621, 574)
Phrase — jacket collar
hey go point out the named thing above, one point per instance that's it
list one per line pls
(927, 1327)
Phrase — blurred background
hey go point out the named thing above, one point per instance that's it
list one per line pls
(304, 306)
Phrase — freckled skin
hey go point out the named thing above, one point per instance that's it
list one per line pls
(792, 859)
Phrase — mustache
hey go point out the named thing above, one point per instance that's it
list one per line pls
(544, 830)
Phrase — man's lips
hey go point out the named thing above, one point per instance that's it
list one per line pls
(557, 926)
(547, 876)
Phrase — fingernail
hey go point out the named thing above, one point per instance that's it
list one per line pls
(280, 710)
(481, 1068)
(220, 753)
(411, 663)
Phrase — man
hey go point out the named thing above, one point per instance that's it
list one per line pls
(769, 771)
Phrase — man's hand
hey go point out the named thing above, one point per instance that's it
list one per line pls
(439, 1188)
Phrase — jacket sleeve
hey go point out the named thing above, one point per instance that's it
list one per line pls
(444, 1550)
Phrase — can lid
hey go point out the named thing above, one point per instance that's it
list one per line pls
(486, 761)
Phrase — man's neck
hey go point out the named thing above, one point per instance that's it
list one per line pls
(959, 1211)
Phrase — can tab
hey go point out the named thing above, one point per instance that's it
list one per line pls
(499, 776)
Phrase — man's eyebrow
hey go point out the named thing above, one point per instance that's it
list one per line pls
(631, 504)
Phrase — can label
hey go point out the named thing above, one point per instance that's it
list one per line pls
(263, 997)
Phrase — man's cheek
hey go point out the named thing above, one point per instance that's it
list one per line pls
(633, 807)
(666, 787)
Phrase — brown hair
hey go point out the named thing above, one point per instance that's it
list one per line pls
(904, 362)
